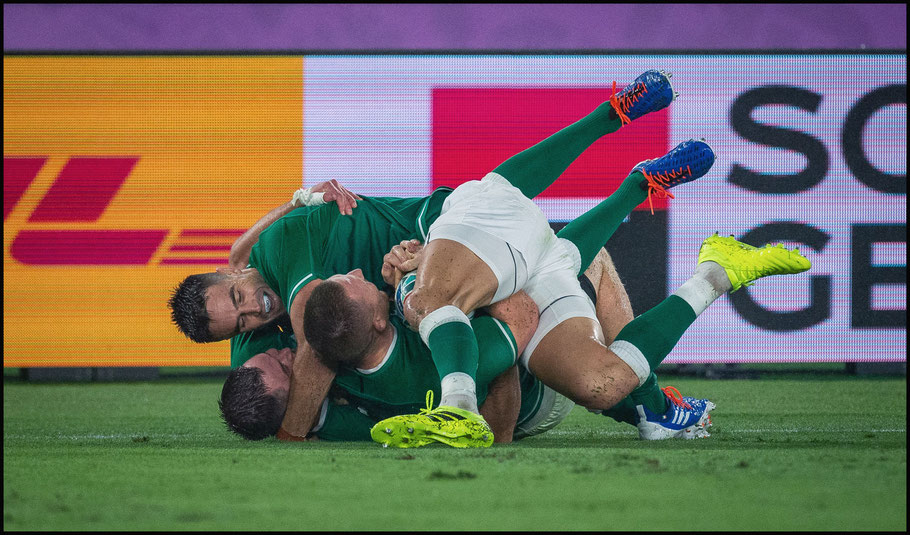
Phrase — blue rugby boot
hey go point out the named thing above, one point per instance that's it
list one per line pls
(649, 92)
(687, 161)
(686, 418)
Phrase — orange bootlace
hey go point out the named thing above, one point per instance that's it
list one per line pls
(624, 105)
(658, 184)
(675, 397)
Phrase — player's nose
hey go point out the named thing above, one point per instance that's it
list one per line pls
(250, 306)
(356, 273)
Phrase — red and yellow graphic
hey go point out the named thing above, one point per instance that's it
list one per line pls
(122, 175)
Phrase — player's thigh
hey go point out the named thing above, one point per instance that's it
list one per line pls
(572, 359)
(451, 274)
(499, 225)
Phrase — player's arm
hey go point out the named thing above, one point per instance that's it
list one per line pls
(321, 193)
(503, 402)
(310, 378)
(502, 405)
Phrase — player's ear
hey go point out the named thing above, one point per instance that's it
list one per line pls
(380, 323)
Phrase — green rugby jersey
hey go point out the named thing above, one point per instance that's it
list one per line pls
(399, 385)
(365, 394)
(309, 244)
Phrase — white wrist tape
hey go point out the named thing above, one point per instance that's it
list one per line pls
(305, 197)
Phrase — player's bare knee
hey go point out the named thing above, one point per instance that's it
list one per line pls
(419, 304)
(604, 388)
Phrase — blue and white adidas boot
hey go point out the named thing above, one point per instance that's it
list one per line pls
(686, 418)
(687, 161)
(651, 91)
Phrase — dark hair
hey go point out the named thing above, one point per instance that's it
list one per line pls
(336, 326)
(188, 306)
(246, 408)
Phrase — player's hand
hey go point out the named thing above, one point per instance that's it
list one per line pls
(324, 192)
(403, 258)
(287, 437)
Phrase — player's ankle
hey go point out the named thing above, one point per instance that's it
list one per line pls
(459, 390)
(459, 401)
(715, 275)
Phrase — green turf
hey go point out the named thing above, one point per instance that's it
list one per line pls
(788, 454)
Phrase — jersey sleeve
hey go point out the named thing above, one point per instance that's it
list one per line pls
(290, 253)
(429, 211)
(344, 423)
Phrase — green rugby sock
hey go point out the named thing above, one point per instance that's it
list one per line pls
(453, 347)
(591, 230)
(657, 331)
(623, 412)
(534, 169)
(650, 395)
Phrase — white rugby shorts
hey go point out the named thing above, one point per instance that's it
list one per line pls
(510, 234)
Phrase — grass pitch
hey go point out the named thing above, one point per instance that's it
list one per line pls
(797, 453)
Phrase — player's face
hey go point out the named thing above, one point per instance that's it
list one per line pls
(241, 302)
(276, 370)
(362, 290)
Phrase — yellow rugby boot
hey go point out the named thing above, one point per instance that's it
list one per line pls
(745, 263)
(447, 425)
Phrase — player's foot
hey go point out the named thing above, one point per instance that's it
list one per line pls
(649, 92)
(686, 418)
(687, 161)
(745, 263)
(449, 425)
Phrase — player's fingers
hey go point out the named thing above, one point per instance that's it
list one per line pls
(401, 253)
(402, 256)
(333, 191)
(393, 260)
(388, 273)
(341, 196)
(350, 199)
(409, 265)
(411, 246)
